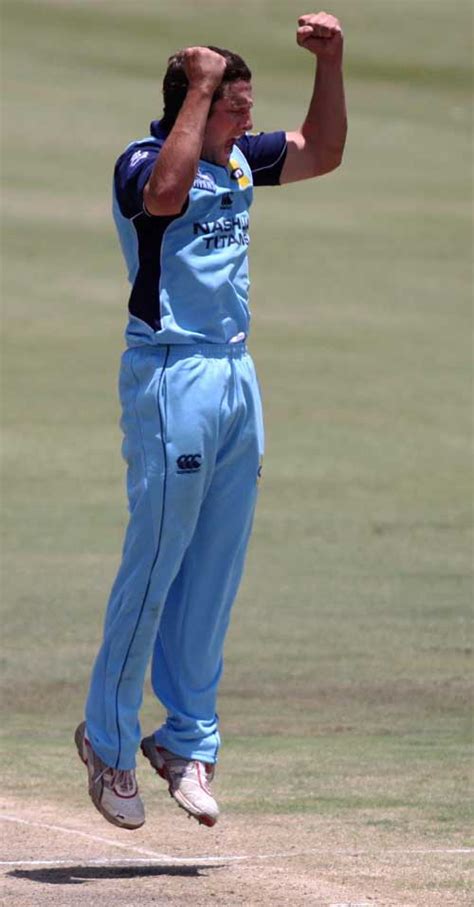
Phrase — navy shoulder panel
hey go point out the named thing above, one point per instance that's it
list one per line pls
(266, 153)
(132, 172)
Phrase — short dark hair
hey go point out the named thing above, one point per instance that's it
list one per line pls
(175, 82)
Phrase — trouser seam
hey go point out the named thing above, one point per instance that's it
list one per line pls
(162, 420)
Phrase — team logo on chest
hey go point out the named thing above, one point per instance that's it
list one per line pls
(237, 174)
(205, 181)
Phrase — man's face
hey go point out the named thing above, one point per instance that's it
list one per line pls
(230, 117)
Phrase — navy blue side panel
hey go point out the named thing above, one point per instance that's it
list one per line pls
(144, 299)
(132, 172)
(266, 153)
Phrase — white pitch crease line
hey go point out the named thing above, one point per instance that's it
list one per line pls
(193, 861)
(83, 834)
(167, 858)
(158, 857)
(230, 858)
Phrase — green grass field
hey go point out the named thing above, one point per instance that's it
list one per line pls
(348, 664)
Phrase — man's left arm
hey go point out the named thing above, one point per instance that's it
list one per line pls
(317, 147)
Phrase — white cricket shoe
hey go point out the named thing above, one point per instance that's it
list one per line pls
(188, 781)
(113, 791)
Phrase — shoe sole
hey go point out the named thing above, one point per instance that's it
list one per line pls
(183, 803)
(79, 741)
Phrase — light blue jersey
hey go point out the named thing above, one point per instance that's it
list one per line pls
(189, 272)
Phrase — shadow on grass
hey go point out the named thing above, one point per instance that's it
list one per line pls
(78, 875)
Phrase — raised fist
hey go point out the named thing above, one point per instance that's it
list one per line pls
(321, 34)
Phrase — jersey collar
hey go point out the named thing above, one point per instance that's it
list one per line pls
(157, 130)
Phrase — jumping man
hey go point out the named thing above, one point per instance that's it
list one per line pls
(191, 412)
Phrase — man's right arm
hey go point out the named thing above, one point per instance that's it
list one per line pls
(175, 169)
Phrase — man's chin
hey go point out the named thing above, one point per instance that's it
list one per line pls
(223, 158)
(220, 157)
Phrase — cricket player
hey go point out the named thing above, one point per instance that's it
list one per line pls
(191, 411)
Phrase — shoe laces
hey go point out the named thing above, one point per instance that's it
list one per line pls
(121, 778)
(177, 767)
(185, 768)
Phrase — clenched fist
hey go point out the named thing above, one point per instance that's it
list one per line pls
(203, 67)
(321, 34)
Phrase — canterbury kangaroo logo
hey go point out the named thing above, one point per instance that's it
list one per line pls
(189, 462)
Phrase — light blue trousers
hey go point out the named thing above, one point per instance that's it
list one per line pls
(193, 440)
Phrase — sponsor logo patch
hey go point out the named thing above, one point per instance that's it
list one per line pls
(226, 200)
(189, 463)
